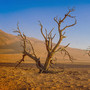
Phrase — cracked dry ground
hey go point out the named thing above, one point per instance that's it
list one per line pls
(28, 78)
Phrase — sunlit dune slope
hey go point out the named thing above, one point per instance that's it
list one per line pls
(11, 44)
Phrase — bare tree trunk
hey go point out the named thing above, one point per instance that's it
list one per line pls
(47, 62)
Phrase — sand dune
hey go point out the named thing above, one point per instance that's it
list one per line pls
(11, 44)
(63, 76)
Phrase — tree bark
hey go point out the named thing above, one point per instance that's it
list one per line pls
(47, 62)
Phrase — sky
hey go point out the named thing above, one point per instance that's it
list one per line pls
(29, 12)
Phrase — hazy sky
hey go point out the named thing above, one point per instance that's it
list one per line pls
(29, 12)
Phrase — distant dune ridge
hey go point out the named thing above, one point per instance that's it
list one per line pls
(10, 44)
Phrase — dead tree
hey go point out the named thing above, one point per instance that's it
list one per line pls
(51, 50)
(88, 51)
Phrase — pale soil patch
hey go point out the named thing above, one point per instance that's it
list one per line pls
(26, 77)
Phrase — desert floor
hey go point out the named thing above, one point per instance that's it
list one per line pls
(26, 77)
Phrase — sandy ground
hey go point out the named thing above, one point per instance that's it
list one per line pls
(63, 76)
(26, 77)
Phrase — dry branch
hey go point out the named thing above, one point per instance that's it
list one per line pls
(25, 53)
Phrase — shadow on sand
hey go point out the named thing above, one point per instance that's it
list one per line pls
(57, 65)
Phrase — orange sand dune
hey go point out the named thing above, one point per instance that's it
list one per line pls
(10, 44)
